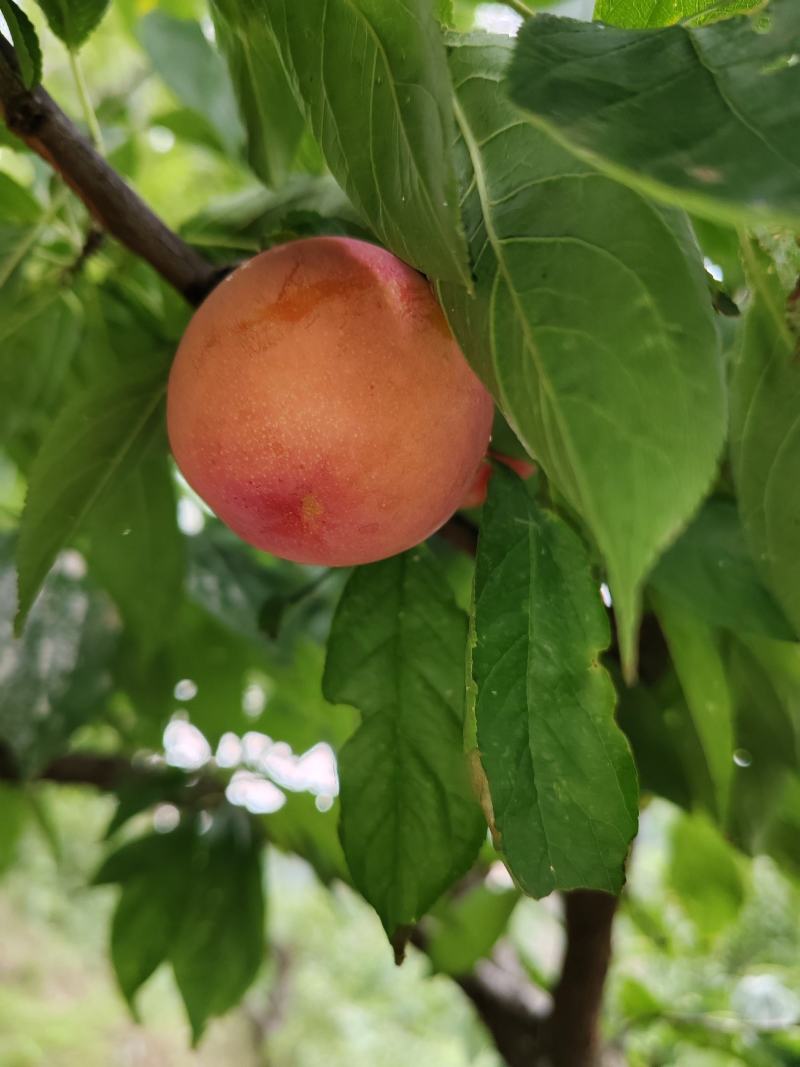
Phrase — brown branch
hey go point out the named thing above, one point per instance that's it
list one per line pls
(33, 116)
(574, 1034)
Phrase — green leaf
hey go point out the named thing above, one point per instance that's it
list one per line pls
(220, 942)
(256, 218)
(698, 661)
(56, 676)
(410, 826)
(560, 776)
(25, 41)
(95, 440)
(468, 927)
(194, 72)
(377, 94)
(144, 920)
(596, 338)
(709, 569)
(195, 900)
(18, 204)
(269, 111)
(765, 681)
(704, 117)
(136, 549)
(13, 814)
(706, 874)
(647, 14)
(73, 21)
(40, 346)
(765, 433)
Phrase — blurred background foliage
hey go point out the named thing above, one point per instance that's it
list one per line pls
(710, 977)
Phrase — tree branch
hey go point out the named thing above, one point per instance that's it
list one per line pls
(574, 1033)
(33, 115)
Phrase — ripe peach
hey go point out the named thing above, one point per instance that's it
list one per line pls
(319, 404)
(475, 495)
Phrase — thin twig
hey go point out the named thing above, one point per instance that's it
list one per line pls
(35, 117)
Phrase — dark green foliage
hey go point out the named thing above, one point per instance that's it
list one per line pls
(560, 781)
(704, 117)
(194, 900)
(410, 826)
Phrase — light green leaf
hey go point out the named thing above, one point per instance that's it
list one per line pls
(26, 44)
(410, 826)
(709, 569)
(596, 336)
(136, 549)
(378, 97)
(73, 21)
(13, 814)
(706, 874)
(18, 204)
(765, 433)
(97, 438)
(195, 73)
(269, 111)
(468, 927)
(647, 14)
(703, 117)
(299, 828)
(55, 677)
(559, 772)
(698, 661)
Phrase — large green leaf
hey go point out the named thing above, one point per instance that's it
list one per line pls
(194, 72)
(560, 777)
(95, 440)
(56, 676)
(410, 826)
(72, 21)
(647, 14)
(269, 111)
(765, 434)
(377, 94)
(700, 667)
(591, 323)
(710, 570)
(25, 41)
(195, 900)
(136, 548)
(706, 117)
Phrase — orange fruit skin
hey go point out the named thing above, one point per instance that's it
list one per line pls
(475, 495)
(320, 406)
